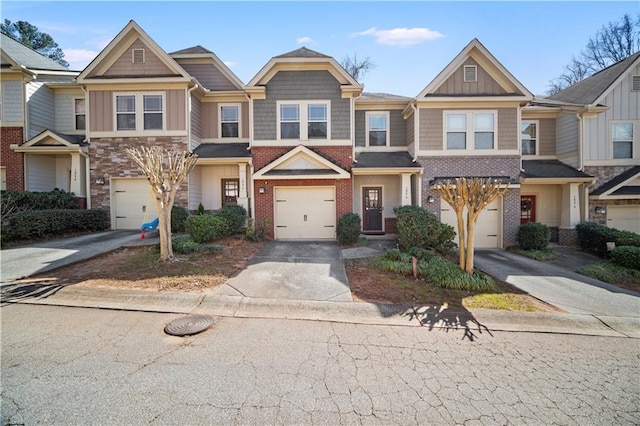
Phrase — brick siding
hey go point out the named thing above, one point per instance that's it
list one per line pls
(11, 160)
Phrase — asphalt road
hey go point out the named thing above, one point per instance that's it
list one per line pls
(71, 366)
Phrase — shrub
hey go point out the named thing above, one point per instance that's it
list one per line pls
(236, 216)
(200, 209)
(420, 253)
(533, 236)
(593, 237)
(184, 244)
(43, 223)
(207, 227)
(179, 217)
(627, 256)
(349, 228)
(417, 227)
(256, 234)
(52, 200)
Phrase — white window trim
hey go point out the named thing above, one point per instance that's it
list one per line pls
(635, 148)
(133, 56)
(239, 106)
(475, 73)
(75, 114)
(304, 121)
(369, 113)
(139, 112)
(470, 130)
(537, 148)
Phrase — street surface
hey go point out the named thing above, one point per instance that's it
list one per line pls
(101, 367)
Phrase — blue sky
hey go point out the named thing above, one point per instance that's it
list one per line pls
(409, 42)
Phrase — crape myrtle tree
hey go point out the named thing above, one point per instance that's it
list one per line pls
(471, 196)
(165, 171)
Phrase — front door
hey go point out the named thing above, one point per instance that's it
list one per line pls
(372, 206)
(527, 209)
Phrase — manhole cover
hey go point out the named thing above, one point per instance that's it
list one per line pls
(189, 325)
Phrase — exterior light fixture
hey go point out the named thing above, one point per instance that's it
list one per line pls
(261, 190)
(100, 181)
(600, 210)
(430, 199)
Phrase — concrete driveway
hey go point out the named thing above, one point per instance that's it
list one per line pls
(297, 270)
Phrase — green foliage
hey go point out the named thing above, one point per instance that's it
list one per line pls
(179, 217)
(184, 244)
(45, 223)
(611, 273)
(627, 256)
(349, 229)
(17, 201)
(29, 35)
(593, 238)
(542, 255)
(533, 236)
(256, 233)
(417, 227)
(200, 209)
(208, 227)
(236, 217)
(421, 253)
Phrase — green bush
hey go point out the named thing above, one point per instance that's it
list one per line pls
(417, 227)
(627, 256)
(184, 244)
(44, 223)
(349, 228)
(594, 238)
(179, 217)
(52, 200)
(236, 217)
(207, 227)
(533, 236)
(421, 253)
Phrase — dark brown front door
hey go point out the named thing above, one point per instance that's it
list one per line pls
(527, 209)
(372, 206)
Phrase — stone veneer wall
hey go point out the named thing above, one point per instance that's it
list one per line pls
(12, 161)
(108, 160)
(604, 174)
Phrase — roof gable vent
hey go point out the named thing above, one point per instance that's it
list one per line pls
(635, 83)
(470, 73)
(137, 56)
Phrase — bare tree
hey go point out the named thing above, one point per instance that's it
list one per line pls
(358, 68)
(612, 43)
(471, 196)
(165, 174)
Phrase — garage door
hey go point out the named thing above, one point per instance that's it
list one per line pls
(305, 213)
(131, 199)
(624, 217)
(487, 227)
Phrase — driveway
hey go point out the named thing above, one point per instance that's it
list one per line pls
(557, 284)
(297, 270)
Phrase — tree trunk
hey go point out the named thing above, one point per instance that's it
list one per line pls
(471, 233)
(461, 238)
(163, 201)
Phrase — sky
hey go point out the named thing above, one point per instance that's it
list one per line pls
(409, 43)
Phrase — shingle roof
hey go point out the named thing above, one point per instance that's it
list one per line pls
(73, 139)
(587, 91)
(223, 150)
(400, 159)
(550, 169)
(622, 177)
(23, 55)
(191, 50)
(368, 96)
(303, 52)
(452, 179)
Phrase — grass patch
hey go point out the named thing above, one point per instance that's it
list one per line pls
(542, 255)
(613, 273)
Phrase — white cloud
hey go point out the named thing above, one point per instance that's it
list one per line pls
(401, 36)
(230, 64)
(302, 40)
(79, 58)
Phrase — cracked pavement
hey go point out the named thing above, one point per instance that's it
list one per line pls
(90, 366)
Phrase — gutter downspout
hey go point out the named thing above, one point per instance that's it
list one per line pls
(87, 139)
(189, 92)
(416, 129)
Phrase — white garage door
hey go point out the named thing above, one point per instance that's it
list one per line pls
(624, 217)
(305, 213)
(487, 227)
(130, 200)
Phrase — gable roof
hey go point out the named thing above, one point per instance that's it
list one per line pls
(616, 186)
(21, 55)
(592, 89)
(191, 50)
(301, 163)
(302, 52)
(489, 63)
(195, 60)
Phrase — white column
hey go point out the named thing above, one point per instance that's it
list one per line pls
(77, 175)
(243, 200)
(570, 205)
(405, 198)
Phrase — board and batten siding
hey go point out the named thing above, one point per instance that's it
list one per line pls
(546, 136)
(432, 128)
(152, 65)
(624, 104)
(397, 128)
(455, 85)
(41, 173)
(301, 86)
(195, 188)
(196, 119)
(567, 138)
(211, 120)
(12, 101)
(176, 109)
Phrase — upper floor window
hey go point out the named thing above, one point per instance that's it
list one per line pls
(529, 137)
(229, 121)
(140, 111)
(470, 130)
(377, 128)
(79, 113)
(622, 137)
(303, 120)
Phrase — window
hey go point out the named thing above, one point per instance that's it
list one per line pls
(470, 130)
(529, 137)
(229, 121)
(377, 128)
(230, 191)
(622, 140)
(140, 111)
(137, 56)
(79, 113)
(303, 120)
(470, 73)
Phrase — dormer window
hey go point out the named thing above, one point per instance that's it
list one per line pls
(470, 73)
(137, 56)
(635, 83)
